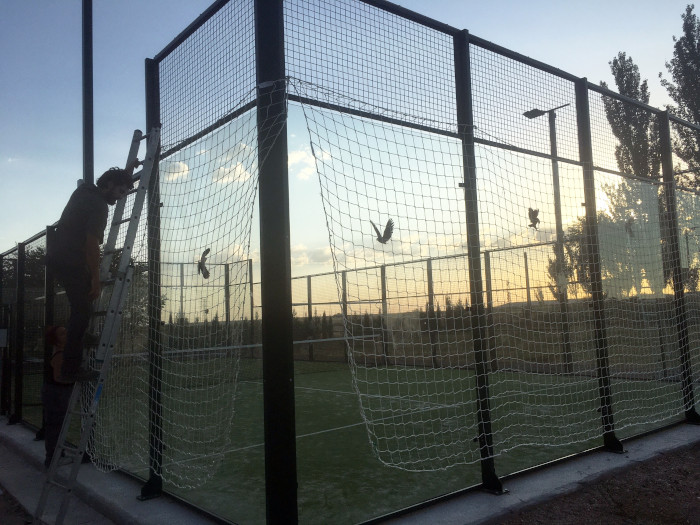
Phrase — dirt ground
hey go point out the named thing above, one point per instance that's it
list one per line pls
(661, 491)
(664, 490)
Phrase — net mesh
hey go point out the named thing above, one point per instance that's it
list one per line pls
(406, 290)
(188, 378)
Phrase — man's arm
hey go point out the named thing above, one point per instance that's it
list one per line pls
(92, 256)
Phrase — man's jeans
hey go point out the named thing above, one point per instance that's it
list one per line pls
(55, 399)
(77, 286)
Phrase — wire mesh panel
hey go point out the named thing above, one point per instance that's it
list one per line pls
(364, 53)
(504, 93)
(208, 75)
(34, 303)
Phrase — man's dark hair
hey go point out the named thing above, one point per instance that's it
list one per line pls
(116, 176)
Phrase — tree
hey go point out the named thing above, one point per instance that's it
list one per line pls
(635, 128)
(684, 90)
(637, 208)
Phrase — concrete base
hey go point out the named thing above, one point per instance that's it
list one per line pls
(99, 498)
(111, 498)
(542, 484)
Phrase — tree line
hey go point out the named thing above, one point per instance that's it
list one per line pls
(637, 218)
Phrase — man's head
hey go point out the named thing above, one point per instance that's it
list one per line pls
(114, 184)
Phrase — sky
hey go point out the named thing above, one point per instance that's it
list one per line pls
(41, 86)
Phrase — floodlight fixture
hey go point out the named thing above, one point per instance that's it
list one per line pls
(534, 113)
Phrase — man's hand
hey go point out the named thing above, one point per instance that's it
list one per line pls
(131, 166)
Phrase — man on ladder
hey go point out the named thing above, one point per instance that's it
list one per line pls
(74, 258)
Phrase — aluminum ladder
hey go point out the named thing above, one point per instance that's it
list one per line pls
(108, 314)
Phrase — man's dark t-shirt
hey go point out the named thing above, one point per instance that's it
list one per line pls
(86, 212)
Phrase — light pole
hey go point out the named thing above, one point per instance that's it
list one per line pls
(561, 285)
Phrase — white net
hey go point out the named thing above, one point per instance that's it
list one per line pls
(396, 215)
(181, 389)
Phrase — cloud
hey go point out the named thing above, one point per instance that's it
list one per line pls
(235, 173)
(175, 170)
(302, 163)
(302, 255)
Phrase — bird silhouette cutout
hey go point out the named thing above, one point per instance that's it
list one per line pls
(388, 230)
(534, 221)
(201, 265)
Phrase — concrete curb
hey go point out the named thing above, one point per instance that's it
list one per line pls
(527, 489)
(99, 498)
(109, 498)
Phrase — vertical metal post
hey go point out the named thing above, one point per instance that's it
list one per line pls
(251, 333)
(433, 334)
(88, 133)
(277, 337)
(6, 364)
(385, 316)
(561, 284)
(344, 292)
(227, 293)
(681, 317)
(49, 297)
(465, 122)
(182, 292)
(227, 303)
(16, 416)
(154, 486)
(344, 306)
(489, 310)
(527, 283)
(591, 241)
(310, 316)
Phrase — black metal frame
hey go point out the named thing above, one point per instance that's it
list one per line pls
(154, 486)
(275, 267)
(278, 366)
(593, 254)
(480, 335)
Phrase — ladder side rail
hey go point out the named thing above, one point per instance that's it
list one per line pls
(118, 211)
(56, 459)
(89, 412)
(137, 208)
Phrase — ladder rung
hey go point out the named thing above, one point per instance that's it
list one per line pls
(57, 484)
(116, 223)
(69, 450)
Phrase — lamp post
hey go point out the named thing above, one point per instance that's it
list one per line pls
(561, 285)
